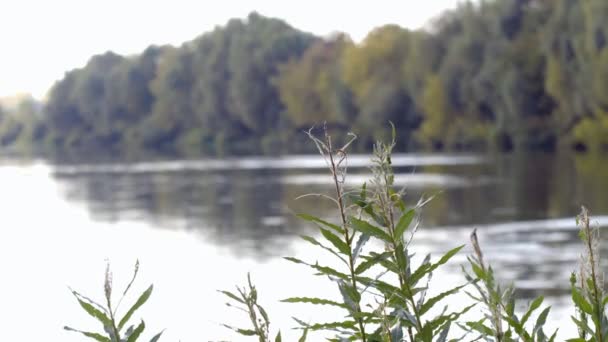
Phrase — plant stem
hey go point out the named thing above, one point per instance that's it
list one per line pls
(596, 296)
(113, 320)
(347, 237)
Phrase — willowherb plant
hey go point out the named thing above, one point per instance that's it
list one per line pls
(588, 287)
(246, 300)
(114, 327)
(504, 324)
(377, 309)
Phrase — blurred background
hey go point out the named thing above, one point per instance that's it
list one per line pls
(172, 132)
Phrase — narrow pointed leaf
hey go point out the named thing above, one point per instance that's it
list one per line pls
(428, 268)
(434, 300)
(140, 301)
(363, 239)
(334, 240)
(157, 337)
(404, 223)
(321, 222)
(371, 261)
(367, 228)
(137, 332)
(316, 301)
(95, 336)
(232, 296)
(317, 243)
(536, 303)
(93, 311)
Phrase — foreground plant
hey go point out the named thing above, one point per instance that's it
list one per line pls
(588, 286)
(500, 322)
(377, 309)
(107, 314)
(246, 300)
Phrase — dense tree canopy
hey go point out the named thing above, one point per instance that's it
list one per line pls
(488, 74)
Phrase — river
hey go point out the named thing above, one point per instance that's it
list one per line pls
(199, 226)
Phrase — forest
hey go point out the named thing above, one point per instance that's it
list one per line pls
(504, 75)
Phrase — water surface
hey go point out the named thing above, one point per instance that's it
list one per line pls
(199, 226)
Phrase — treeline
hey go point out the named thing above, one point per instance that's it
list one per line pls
(490, 74)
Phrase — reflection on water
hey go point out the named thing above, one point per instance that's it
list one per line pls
(523, 204)
(236, 215)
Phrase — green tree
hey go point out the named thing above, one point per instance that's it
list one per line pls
(311, 88)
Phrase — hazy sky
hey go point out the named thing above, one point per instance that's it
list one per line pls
(42, 39)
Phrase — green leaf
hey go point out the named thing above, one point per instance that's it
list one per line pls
(452, 317)
(135, 335)
(432, 301)
(316, 301)
(333, 325)
(334, 240)
(444, 333)
(366, 228)
(371, 261)
(481, 328)
(350, 296)
(95, 336)
(140, 301)
(536, 303)
(541, 320)
(303, 337)
(317, 243)
(278, 338)
(583, 325)
(404, 223)
(157, 337)
(317, 220)
(552, 338)
(93, 311)
(397, 333)
(322, 269)
(428, 268)
(295, 260)
(232, 296)
(581, 302)
(246, 332)
(363, 238)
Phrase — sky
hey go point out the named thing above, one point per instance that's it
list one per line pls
(41, 40)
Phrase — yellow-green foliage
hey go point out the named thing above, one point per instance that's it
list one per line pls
(593, 132)
(434, 104)
(310, 87)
